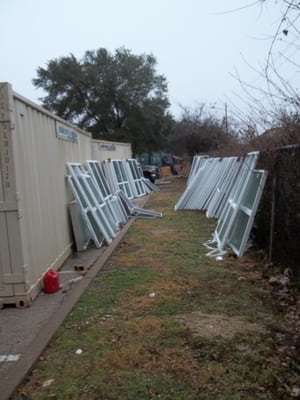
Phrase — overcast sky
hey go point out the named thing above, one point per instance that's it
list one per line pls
(198, 44)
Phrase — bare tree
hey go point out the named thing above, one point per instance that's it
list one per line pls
(200, 131)
(277, 96)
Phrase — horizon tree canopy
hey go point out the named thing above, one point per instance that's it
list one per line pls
(116, 96)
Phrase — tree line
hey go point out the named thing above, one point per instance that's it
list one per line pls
(121, 96)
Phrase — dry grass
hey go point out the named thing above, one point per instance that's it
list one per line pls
(215, 325)
(163, 321)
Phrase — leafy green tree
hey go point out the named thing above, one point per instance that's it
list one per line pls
(116, 96)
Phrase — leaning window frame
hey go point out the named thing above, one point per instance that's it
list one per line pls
(116, 174)
(228, 216)
(134, 178)
(113, 202)
(95, 207)
(247, 211)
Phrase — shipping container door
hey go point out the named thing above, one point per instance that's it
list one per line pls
(11, 260)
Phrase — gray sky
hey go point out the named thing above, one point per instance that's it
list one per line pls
(198, 44)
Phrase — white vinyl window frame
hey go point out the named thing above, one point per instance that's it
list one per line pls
(228, 216)
(95, 170)
(197, 163)
(110, 175)
(96, 233)
(189, 197)
(246, 212)
(230, 190)
(229, 172)
(137, 211)
(112, 201)
(135, 179)
(117, 177)
(122, 177)
(93, 205)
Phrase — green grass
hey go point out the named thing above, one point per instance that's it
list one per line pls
(149, 323)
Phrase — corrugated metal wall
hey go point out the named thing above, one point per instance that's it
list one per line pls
(103, 150)
(35, 232)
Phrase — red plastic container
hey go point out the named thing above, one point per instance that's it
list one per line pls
(51, 281)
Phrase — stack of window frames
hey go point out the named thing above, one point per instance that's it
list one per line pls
(197, 163)
(196, 179)
(101, 212)
(113, 202)
(230, 190)
(231, 167)
(228, 219)
(95, 212)
(202, 186)
(135, 178)
(116, 173)
(119, 175)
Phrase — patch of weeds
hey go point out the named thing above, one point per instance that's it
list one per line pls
(174, 333)
(109, 286)
(170, 308)
(243, 366)
(135, 385)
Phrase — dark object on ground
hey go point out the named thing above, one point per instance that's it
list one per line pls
(168, 159)
(151, 172)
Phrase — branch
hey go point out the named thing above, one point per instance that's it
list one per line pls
(239, 8)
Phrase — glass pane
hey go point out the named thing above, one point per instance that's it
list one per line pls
(103, 223)
(239, 229)
(252, 189)
(135, 171)
(87, 192)
(110, 219)
(97, 173)
(224, 223)
(127, 190)
(117, 171)
(97, 198)
(123, 173)
(81, 196)
(95, 226)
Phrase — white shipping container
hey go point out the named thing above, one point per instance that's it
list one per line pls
(35, 230)
(103, 150)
